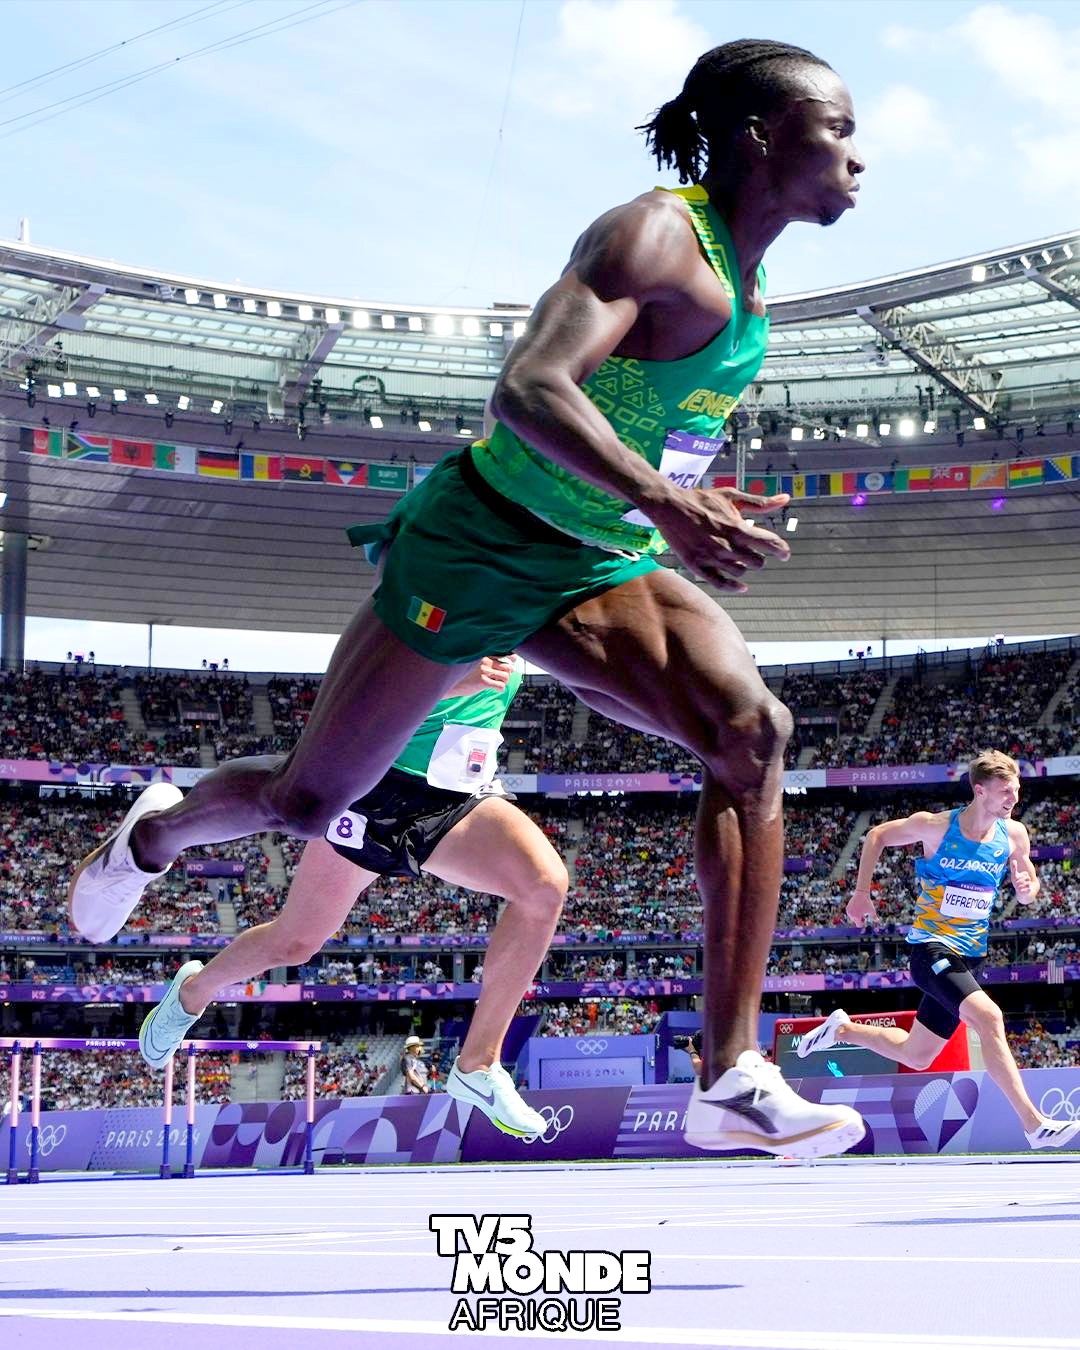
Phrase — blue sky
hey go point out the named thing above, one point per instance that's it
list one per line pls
(358, 153)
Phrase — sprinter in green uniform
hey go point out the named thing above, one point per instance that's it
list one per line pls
(440, 810)
(544, 539)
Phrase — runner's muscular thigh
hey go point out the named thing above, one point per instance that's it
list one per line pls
(658, 649)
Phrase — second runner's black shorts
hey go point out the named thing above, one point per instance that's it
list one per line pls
(945, 979)
(394, 829)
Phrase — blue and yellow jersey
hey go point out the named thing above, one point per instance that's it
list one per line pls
(957, 888)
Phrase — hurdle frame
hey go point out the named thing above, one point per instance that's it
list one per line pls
(16, 1045)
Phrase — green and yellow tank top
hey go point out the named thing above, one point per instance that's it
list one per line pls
(670, 412)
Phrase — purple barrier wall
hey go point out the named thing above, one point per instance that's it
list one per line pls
(215, 867)
(905, 1114)
(591, 1061)
(257, 992)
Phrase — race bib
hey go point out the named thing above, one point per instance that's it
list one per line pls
(967, 902)
(347, 830)
(464, 758)
(685, 460)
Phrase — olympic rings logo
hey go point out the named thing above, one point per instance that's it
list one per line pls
(557, 1121)
(592, 1045)
(785, 1029)
(49, 1137)
(1057, 1106)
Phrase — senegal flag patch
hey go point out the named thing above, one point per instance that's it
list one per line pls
(425, 614)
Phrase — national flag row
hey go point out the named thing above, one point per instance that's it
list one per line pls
(997, 475)
(236, 464)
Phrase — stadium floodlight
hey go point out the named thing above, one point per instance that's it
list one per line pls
(388, 320)
(220, 301)
(1025, 261)
(424, 424)
(1046, 256)
(152, 399)
(305, 313)
(884, 428)
(191, 295)
(70, 388)
(519, 327)
(361, 318)
(796, 433)
(54, 391)
(470, 327)
(443, 325)
(1067, 250)
(249, 306)
(416, 323)
(792, 524)
(183, 403)
(333, 315)
(978, 272)
(978, 423)
(465, 431)
(216, 406)
(119, 395)
(92, 391)
(907, 426)
(755, 442)
(862, 429)
(929, 426)
(495, 329)
(819, 433)
(375, 421)
(273, 309)
(3, 500)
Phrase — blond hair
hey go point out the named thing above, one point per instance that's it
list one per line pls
(992, 764)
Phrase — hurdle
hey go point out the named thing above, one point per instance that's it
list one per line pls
(16, 1047)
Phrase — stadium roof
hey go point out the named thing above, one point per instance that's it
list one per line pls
(985, 348)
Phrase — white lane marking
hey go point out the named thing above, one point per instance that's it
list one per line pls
(728, 1338)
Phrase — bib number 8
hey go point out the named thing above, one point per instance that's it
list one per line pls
(348, 830)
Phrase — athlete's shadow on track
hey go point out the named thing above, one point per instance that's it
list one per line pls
(114, 1237)
(1026, 1217)
(144, 1293)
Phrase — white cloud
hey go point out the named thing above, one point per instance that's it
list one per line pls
(634, 52)
(903, 121)
(899, 38)
(1029, 53)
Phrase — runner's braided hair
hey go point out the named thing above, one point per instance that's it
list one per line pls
(725, 87)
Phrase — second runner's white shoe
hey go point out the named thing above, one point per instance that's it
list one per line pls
(824, 1036)
(750, 1106)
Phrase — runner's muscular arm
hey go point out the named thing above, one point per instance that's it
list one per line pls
(1025, 878)
(632, 256)
(913, 829)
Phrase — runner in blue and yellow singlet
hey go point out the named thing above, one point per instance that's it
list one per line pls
(544, 537)
(966, 854)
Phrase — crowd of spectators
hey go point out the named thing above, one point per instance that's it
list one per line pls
(340, 1071)
(825, 707)
(77, 1081)
(291, 699)
(539, 724)
(995, 702)
(1053, 818)
(72, 717)
(1036, 1048)
(942, 715)
(613, 1016)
